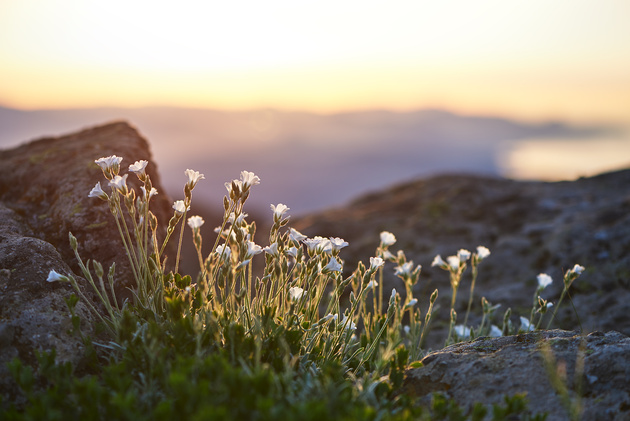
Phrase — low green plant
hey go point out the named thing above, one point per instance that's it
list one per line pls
(232, 343)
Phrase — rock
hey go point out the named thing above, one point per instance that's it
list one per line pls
(529, 227)
(44, 188)
(595, 368)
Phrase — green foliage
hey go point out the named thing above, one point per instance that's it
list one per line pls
(234, 344)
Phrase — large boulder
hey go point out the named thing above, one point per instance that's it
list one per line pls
(44, 188)
(559, 371)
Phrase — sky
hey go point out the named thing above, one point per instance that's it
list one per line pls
(531, 60)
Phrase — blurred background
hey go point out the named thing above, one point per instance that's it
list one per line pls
(325, 100)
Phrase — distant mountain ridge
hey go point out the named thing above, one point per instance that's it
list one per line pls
(308, 161)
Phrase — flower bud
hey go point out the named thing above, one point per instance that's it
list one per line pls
(73, 241)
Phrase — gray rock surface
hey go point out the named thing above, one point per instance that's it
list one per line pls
(44, 188)
(529, 227)
(594, 368)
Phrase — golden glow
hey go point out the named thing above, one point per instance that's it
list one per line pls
(538, 59)
(554, 160)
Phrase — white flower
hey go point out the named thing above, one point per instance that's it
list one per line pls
(180, 207)
(405, 269)
(330, 316)
(109, 164)
(387, 238)
(350, 326)
(223, 250)
(544, 280)
(239, 219)
(253, 249)
(295, 293)
(279, 211)
(437, 261)
(333, 265)
(152, 193)
(482, 253)
(318, 244)
(193, 177)
(238, 184)
(249, 179)
(376, 262)
(525, 326)
(495, 332)
(337, 243)
(97, 191)
(119, 183)
(388, 255)
(372, 284)
(411, 303)
(195, 222)
(393, 294)
(138, 167)
(293, 252)
(53, 276)
(577, 269)
(272, 249)
(453, 262)
(463, 255)
(296, 235)
(462, 331)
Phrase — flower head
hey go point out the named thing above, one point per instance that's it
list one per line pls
(349, 324)
(193, 178)
(463, 255)
(387, 238)
(333, 265)
(296, 235)
(495, 332)
(97, 191)
(180, 207)
(253, 249)
(316, 243)
(230, 187)
(482, 253)
(110, 165)
(249, 179)
(544, 280)
(438, 261)
(139, 168)
(278, 211)
(152, 192)
(295, 293)
(525, 325)
(376, 262)
(577, 269)
(405, 269)
(54, 276)
(292, 251)
(462, 331)
(238, 220)
(223, 250)
(372, 284)
(453, 262)
(195, 222)
(411, 303)
(272, 249)
(337, 243)
(119, 183)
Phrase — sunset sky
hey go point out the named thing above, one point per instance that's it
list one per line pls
(535, 59)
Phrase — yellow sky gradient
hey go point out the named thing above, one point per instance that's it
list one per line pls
(535, 59)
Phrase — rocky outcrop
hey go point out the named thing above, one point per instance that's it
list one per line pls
(529, 227)
(594, 369)
(44, 188)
